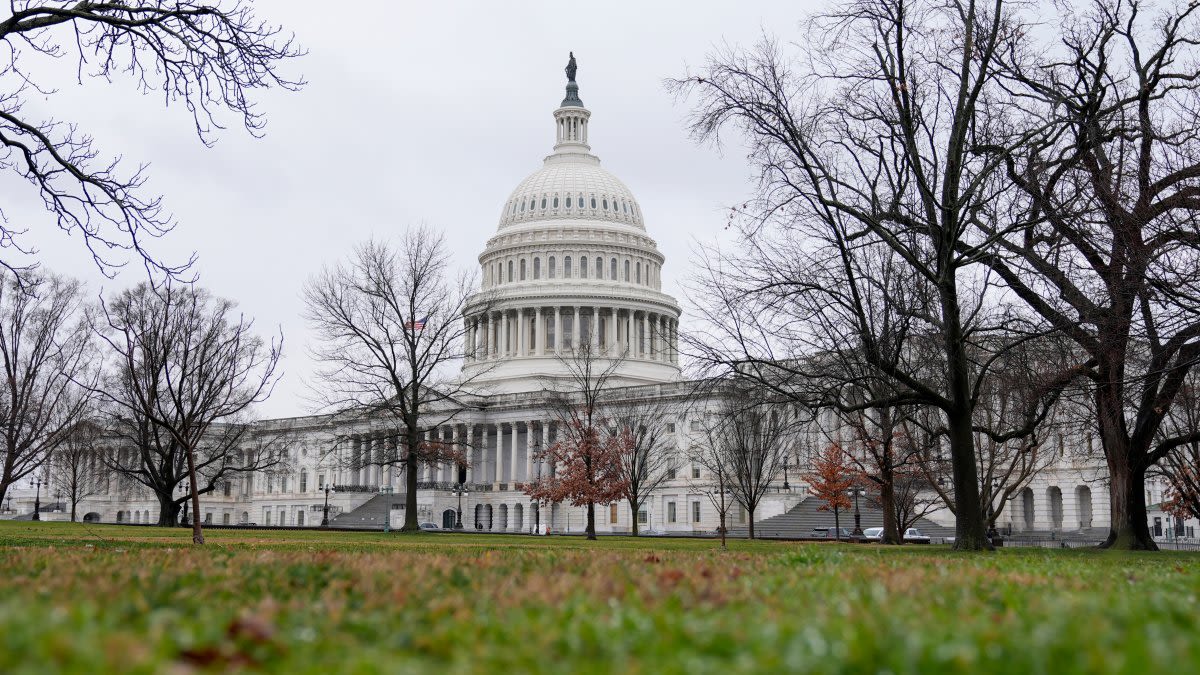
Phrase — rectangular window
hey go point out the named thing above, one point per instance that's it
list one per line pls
(225, 519)
(670, 512)
(304, 481)
(551, 269)
(320, 482)
(228, 488)
(1158, 527)
(612, 513)
(670, 427)
(643, 517)
(670, 474)
(266, 515)
(550, 332)
(695, 425)
(695, 512)
(695, 472)
(208, 518)
(270, 483)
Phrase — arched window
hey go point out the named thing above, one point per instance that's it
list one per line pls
(626, 271)
(551, 270)
(612, 269)
(510, 270)
(567, 267)
(599, 268)
(514, 208)
(593, 202)
(543, 202)
(556, 201)
(605, 203)
(583, 267)
(639, 272)
(568, 201)
(522, 269)
(532, 203)
(522, 206)
(581, 200)
(537, 268)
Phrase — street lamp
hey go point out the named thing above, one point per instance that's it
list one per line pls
(459, 489)
(387, 517)
(857, 514)
(785, 480)
(325, 511)
(37, 500)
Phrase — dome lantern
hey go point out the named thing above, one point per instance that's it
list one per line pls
(571, 118)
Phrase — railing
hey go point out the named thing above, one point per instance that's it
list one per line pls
(356, 488)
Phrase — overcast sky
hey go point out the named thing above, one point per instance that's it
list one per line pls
(414, 112)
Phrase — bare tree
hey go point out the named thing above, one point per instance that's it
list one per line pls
(587, 458)
(48, 358)
(863, 149)
(391, 330)
(186, 362)
(712, 455)
(750, 432)
(1180, 467)
(205, 57)
(648, 451)
(77, 466)
(1108, 250)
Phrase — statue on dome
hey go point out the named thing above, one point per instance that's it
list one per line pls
(571, 68)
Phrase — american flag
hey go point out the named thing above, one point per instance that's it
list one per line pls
(419, 324)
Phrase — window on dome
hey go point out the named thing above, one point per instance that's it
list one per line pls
(605, 202)
(555, 203)
(583, 267)
(510, 271)
(551, 268)
(568, 201)
(581, 200)
(626, 271)
(537, 268)
(522, 269)
(522, 206)
(532, 204)
(612, 269)
(567, 267)
(543, 202)
(599, 268)
(639, 273)
(593, 202)
(624, 207)
(514, 208)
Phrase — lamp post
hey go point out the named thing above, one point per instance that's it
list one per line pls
(857, 514)
(325, 511)
(460, 489)
(37, 500)
(387, 517)
(785, 467)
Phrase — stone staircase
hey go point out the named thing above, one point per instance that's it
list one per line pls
(798, 523)
(370, 515)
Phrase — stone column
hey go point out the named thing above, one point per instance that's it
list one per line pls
(469, 431)
(644, 341)
(539, 333)
(662, 339)
(514, 446)
(614, 349)
(487, 335)
(504, 329)
(494, 456)
(557, 331)
(595, 330)
(545, 445)
(575, 331)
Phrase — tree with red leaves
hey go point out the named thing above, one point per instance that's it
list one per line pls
(831, 480)
(588, 472)
(585, 459)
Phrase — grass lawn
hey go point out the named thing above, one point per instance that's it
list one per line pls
(86, 599)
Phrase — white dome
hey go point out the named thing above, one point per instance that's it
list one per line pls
(571, 186)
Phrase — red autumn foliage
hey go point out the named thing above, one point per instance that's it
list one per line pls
(587, 467)
(831, 478)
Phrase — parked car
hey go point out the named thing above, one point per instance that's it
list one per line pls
(831, 532)
(913, 536)
(873, 533)
(429, 526)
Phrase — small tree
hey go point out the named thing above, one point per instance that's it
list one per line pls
(715, 462)
(390, 322)
(831, 479)
(648, 452)
(77, 465)
(185, 363)
(587, 470)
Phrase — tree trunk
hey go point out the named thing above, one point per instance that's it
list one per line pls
(591, 521)
(168, 511)
(750, 515)
(411, 523)
(1128, 529)
(633, 507)
(887, 501)
(74, 506)
(722, 528)
(837, 524)
(197, 532)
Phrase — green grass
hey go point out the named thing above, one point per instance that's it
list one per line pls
(88, 599)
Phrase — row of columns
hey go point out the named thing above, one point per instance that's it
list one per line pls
(634, 333)
(499, 452)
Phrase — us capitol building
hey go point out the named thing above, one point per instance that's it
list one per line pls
(571, 261)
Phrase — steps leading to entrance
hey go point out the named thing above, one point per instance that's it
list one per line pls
(798, 523)
(371, 515)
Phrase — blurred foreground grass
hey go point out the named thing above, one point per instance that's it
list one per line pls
(87, 599)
